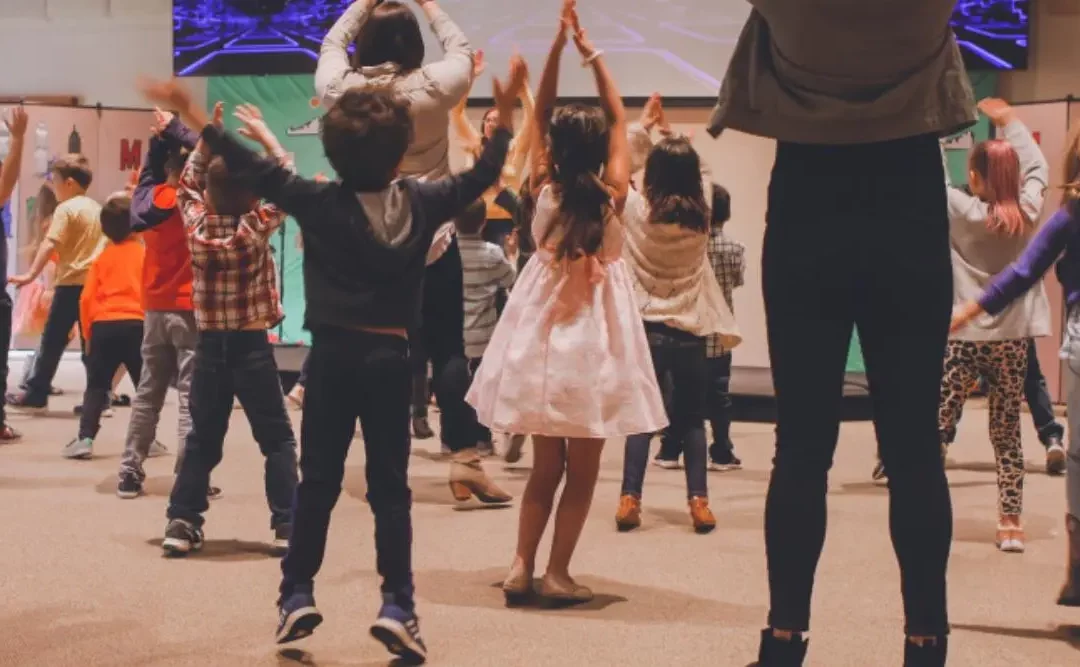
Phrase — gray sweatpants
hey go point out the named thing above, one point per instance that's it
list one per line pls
(168, 351)
(1070, 352)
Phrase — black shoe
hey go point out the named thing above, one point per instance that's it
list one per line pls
(421, 429)
(724, 460)
(181, 538)
(779, 652)
(129, 486)
(120, 400)
(930, 654)
(298, 616)
(213, 492)
(282, 534)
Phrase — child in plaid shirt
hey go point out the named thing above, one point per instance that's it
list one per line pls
(236, 300)
(728, 258)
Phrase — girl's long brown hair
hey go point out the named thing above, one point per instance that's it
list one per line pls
(997, 163)
(1071, 171)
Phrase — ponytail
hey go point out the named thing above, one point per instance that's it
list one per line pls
(583, 205)
(998, 165)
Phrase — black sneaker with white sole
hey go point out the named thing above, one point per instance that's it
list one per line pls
(297, 615)
(129, 486)
(181, 538)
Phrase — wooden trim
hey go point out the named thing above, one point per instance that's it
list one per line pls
(52, 100)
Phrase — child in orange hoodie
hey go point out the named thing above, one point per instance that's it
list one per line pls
(111, 316)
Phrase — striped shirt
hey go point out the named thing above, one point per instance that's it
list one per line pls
(728, 259)
(485, 269)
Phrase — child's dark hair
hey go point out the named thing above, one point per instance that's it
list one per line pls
(116, 217)
(365, 136)
(472, 219)
(76, 167)
(227, 194)
(390, 35)
(673, 185)
(578, 140)
(1071, 171)
(721, 205)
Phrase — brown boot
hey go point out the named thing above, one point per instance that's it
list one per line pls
(629, 515)
(468, 479)
(701, 515)
(1070, 592)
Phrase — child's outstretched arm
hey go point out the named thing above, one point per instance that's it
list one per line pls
(617, 169)
(146, 211)
(453, 75)
(271, 178)
(446, 198)
(548, 91)
(9, 173)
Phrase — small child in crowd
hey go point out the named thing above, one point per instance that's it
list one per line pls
(366, 238)
(236, 300)
(111, 317)
(485, 270)
(75, 236)
(728, 259)
(170, 333)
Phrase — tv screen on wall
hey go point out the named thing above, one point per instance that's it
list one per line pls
(993, 34)
(680, 47)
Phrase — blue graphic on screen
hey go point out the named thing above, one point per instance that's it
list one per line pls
(247, 37)
(993, 34)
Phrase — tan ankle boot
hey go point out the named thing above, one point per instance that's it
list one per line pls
(628, 516)
(1070, 592)
(468, 479)
(701, 515)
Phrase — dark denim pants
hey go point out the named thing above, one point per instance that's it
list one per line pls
(366, 376)
(228, 365)
(681, 355)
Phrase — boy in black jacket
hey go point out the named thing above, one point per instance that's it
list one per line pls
(365, 241)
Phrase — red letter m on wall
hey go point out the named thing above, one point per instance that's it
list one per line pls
(130, 154)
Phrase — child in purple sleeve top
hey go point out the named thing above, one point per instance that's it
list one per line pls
(1057, 241)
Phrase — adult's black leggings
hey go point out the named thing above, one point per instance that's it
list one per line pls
(858, 238)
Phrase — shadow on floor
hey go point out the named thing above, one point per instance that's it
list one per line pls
(158, 487)
(880, 488)
(291, 657)
(227, 551)
(1069, 634)
(990, 466)
(427, 490)
(614, 601)
(18, 483)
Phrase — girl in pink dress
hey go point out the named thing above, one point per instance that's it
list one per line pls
(569, 361)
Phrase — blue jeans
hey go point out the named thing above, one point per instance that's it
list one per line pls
(228, 365)
(1070, 352)
(1038, 399)
(366, 376)
(681, 355)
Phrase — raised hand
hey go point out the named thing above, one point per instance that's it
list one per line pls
(252, 124)
(168, 93)
(479, 65)
(653, 111)
(506, 95)
(161, 120)
(998, 111)
(219, 115)
(17, 122)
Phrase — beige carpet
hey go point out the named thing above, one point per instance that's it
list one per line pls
(83, 582)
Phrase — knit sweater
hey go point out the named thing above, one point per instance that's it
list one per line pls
(673, 279)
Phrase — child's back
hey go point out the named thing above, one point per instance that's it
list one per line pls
(76, 231)
(114, 289)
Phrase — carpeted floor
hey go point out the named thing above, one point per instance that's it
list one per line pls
(84, 582)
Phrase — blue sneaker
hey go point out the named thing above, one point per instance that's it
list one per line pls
(298, 616)
(399, 631)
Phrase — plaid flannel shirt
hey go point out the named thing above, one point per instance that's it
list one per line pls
(728, 259)
(234, 274)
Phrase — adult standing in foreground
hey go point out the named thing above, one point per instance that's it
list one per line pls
(857, 236)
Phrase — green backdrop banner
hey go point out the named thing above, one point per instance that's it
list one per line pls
(292, 113)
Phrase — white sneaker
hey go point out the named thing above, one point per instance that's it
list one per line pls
(666, 464)
(157, 449)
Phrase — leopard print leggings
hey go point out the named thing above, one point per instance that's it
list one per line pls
(1004, 365)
